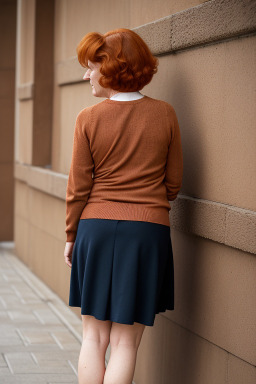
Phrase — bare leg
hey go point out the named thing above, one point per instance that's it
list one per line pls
(124, 343)
(91, 363)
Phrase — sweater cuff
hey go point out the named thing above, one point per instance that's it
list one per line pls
(71, 236)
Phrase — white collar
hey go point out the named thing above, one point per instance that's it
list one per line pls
(125, 96)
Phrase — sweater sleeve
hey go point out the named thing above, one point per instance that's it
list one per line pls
(174, 164)
(80, 179)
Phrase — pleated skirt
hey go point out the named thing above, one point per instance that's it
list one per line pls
(122, 270)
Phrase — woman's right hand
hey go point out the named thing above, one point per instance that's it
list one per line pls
(68, 253)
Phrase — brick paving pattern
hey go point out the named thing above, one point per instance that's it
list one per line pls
(40, 337)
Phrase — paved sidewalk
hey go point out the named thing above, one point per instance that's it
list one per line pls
(40, 337)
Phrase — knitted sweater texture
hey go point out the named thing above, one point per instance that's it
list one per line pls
(127, 163)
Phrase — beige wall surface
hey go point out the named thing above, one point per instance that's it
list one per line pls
(102, 16)
(210, 336)
(27, 41)
(213, 92)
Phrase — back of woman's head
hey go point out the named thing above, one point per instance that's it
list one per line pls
(127, 64)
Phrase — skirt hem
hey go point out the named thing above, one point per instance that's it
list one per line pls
(116, 320)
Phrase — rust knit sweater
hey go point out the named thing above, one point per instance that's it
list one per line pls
(126, 163)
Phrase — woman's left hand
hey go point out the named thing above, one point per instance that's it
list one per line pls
(68, 253)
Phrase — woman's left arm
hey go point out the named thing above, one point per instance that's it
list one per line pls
(80, 179)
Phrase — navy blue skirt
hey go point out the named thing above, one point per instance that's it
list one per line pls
(122, 270)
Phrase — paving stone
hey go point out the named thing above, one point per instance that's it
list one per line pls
(5, 288)
(2, 304)
(65, 339)
(4, 371)
(17, 316)
(2, 361)
(23, 292)
(38, 337)
(11, 277)
(46, 316)
(7, 329)
(25, 363)
(10, 300)
(3, 316)
(13, 341)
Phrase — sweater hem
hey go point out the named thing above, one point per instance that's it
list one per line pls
(126, 211)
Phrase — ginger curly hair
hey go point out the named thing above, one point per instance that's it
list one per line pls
(127, 64)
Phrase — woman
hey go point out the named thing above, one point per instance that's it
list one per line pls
(126, 165)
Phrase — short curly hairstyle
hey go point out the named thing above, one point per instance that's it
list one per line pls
(127, 64)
